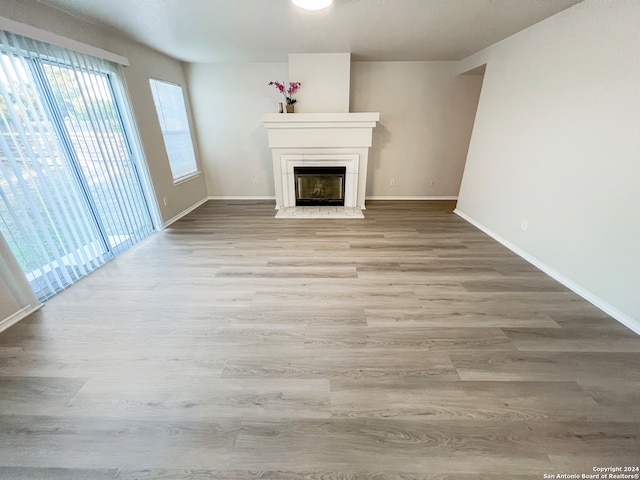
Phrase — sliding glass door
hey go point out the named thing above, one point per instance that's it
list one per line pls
(100, 152)
(71, 193)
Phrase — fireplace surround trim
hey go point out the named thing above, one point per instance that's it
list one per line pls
(350, 161)
(325, 136)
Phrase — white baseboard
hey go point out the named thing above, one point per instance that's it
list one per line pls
(444, 197)
(435, 197)
(589, 296)
(182, 214)
(19, 315)
(230, 197)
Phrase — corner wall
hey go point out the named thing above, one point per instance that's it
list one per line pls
(16, 298)
(229, 101)
(426, 116)
(556, 143)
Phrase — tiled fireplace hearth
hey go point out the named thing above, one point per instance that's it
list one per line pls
(320, 140)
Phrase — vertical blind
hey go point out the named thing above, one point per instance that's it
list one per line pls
(71, 182)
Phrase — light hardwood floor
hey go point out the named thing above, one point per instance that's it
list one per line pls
(234, 345)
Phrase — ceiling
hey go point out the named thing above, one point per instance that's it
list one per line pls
(268, 30)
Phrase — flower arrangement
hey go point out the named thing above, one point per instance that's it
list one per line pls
(287, 92)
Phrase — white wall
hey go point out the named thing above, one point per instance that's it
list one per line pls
(556, 142)
(16, 297)
(426, 115)
(427, 112)
(229, 100)
(325, 78)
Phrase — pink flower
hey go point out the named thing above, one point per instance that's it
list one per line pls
(278, 85)
(287, 92)
(293, 87)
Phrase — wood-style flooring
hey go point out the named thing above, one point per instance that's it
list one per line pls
(234, 345)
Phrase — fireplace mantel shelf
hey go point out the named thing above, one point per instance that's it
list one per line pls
(321, 120)
(323, 130)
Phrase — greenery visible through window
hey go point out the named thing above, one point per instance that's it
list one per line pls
(172, 114)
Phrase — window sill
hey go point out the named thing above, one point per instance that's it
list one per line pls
(186, 178)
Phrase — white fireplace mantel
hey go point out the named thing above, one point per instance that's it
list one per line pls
(335, 137)
(288, 120)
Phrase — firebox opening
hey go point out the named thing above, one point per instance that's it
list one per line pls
(319, 185)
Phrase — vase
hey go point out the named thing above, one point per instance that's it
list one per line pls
(290, 108)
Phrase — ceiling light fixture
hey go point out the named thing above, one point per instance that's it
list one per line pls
(312, 4)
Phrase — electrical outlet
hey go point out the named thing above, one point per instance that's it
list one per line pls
(392, 181)
(432, 183)
(255, 182)
(524, 224)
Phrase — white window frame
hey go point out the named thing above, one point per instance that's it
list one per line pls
(179, 176)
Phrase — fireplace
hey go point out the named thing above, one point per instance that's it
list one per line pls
(320, 140)
(342, 188)
(319, 185)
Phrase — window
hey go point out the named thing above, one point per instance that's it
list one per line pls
(172, 114)
(73, 190)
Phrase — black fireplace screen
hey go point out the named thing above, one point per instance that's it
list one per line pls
(319, 185)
